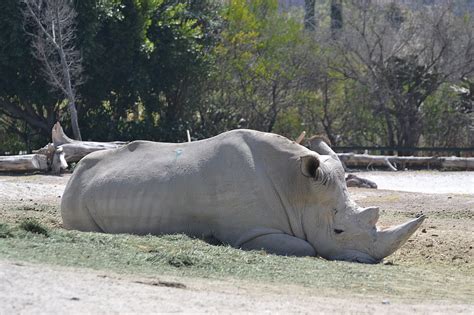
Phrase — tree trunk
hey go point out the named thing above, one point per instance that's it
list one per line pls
(411, 125)
(68, 81)
(74, 121)
(309, 15)
(326, 120)
(336, 17)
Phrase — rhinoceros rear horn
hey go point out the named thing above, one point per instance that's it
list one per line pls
(389, 240)
(322, 145)
(309, 165)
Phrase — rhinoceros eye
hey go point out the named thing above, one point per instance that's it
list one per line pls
(337, 231)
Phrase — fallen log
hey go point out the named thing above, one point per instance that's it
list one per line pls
(402, 162)
(458, 163)
(75, 150)
(55, 156)
(24, 163)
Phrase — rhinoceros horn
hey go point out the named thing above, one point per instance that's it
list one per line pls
(390, 239)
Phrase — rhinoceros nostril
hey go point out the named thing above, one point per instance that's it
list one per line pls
(337, 231)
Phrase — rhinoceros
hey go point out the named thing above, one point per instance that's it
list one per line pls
(248, 189)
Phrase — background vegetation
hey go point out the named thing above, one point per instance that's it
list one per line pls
(360, 72)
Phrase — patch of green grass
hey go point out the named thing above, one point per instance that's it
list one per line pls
(180, 255)
(5, 231)
(33, 226)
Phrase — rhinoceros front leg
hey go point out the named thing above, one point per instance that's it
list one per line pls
(275, 242)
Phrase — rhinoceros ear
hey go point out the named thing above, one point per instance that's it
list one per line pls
(309, 165)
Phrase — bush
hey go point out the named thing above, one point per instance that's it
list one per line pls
(4, 231)
(33, 226)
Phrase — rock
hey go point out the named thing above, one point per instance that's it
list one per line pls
(355, 181)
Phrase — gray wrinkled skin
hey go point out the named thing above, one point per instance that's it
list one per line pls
(249, 189)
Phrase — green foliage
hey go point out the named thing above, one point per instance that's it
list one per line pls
(289, 123)
(24, 96)
(156, 68)
(446, 124)
(149, 87)
(5, 231)
(33, 226)
(346, 114)
(179, 64)
(10, 141)
(261, 59)
(114, 66)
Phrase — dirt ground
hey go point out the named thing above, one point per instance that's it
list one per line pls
(430, 182)
(43, 289)
(445, 239)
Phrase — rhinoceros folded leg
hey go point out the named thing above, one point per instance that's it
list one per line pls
(275, 242)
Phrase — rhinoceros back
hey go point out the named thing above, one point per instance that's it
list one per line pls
(197, 188)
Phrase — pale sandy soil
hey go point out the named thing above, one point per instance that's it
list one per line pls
(430, 182)
(31, 289)
(32, 187)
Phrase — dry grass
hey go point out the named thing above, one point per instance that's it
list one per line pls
(179, 255)
(436, 263)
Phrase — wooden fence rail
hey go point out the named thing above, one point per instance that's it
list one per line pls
(456, 151)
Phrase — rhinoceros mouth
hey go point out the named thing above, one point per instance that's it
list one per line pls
(386, 242)
(356, 256)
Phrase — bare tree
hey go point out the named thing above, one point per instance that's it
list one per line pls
(401, 64)
(53, 22)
